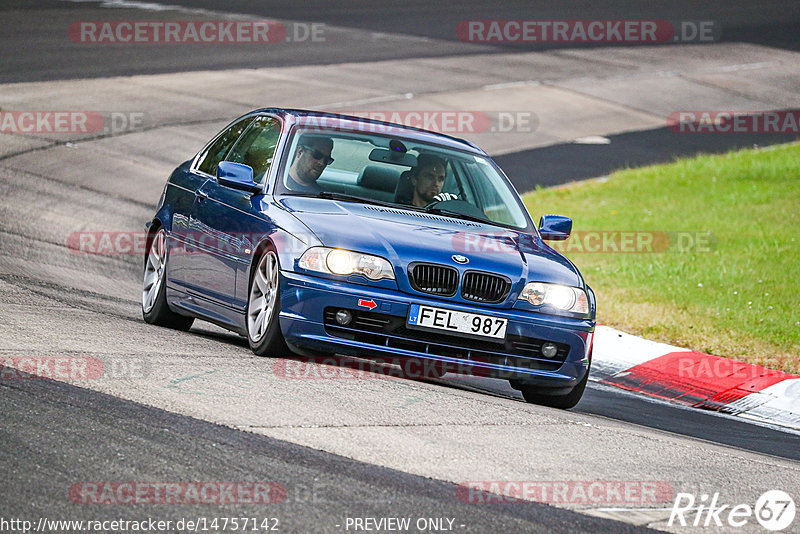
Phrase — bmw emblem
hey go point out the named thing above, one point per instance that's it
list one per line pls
(458, 258)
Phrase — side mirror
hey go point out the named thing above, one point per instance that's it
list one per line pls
(555, 227)
(237, 176)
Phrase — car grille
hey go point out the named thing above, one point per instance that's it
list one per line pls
(442, 281)
(484, 287)
(434, 279)
(390, 331)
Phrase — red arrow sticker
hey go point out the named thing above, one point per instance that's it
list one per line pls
(367, 303)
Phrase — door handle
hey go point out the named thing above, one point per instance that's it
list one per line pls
(201, 195)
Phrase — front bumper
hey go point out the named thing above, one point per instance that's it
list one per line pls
(382, 333)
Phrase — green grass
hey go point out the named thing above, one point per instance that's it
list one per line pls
(737, 297)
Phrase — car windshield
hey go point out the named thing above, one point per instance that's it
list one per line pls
(396, 171)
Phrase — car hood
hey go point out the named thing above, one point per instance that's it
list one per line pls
(406, 236)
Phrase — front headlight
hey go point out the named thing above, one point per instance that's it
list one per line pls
(346, 262)
(564, 298)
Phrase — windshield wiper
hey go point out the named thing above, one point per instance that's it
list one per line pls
(352, 198)
(343, 197)
(457, 215)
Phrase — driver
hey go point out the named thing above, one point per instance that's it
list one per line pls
(312, 156)
(427, 179)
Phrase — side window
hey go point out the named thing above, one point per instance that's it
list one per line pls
(256, 147)
(221, 146)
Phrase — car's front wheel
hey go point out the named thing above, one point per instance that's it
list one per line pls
(534, 395)
(263, 308)
(154, 288)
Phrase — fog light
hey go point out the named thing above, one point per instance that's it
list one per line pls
(548, 349)
(343, 317)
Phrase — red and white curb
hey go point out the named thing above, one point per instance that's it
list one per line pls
(696, 379)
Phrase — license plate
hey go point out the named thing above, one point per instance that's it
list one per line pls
(457, 322)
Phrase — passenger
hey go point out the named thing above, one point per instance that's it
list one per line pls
(312, 156)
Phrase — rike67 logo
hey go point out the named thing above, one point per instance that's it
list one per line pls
(774, 510)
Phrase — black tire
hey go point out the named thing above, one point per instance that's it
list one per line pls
(155, 309)
(534, 395)
(266, 339)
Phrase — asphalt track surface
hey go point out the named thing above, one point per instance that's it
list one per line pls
(34, 49)
(32, 43)
(566, 162)
(56, 434)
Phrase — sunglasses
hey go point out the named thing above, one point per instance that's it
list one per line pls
(316, 154)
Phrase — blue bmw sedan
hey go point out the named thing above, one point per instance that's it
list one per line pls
(313, 233)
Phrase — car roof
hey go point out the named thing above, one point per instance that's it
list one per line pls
(335, 121)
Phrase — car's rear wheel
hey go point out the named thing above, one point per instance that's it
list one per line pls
(154, 288)
(534, 395)
(263, 308)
